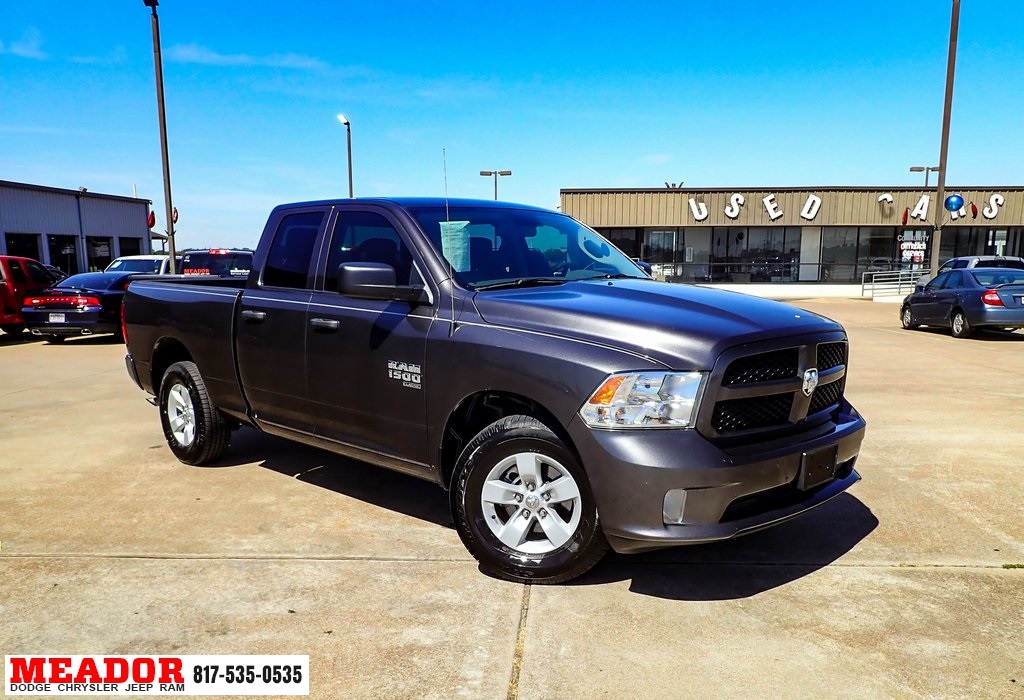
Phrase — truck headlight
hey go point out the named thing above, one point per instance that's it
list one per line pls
(645, 400)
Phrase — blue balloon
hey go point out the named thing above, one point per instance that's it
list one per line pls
(954, 202)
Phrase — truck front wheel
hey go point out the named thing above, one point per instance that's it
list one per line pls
(523, 506)
(195, 430)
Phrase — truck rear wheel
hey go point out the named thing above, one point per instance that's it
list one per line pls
(522, 504)
(195, 430)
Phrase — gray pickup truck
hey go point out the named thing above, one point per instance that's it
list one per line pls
(512, 355)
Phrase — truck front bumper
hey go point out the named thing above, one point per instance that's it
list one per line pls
(728, 492)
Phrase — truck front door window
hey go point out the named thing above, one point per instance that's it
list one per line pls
(366, 236)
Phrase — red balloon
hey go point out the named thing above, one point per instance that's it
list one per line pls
(151, 221)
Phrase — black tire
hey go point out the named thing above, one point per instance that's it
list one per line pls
(537, 559)
(959, 326)
(55, 339)
(210, 431)
(13, 329)
(907, 319)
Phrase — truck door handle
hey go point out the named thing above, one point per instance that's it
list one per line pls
(327, 324)
(254, 316)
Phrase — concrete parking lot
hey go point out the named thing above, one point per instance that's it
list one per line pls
(908, 586)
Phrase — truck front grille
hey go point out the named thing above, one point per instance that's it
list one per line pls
(758, 395)
(825, 396)
(831, 355)
(747, 414)
(763, 367)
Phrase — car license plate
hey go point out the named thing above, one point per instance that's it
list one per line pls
(817, 467)
(56, 318)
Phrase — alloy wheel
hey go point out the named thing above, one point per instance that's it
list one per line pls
(531, 503)
(181, 415)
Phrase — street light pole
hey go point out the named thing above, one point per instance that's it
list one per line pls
(954, 28)
(495, 174)
(348, 134)
(926, 169)
(163, 129)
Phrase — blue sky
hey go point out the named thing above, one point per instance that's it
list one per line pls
(564, 94)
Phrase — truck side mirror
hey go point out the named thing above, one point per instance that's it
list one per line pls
(645, 266)
(369, 280)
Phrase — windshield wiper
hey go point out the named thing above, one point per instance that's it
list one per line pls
(616, 276)
(520, 283)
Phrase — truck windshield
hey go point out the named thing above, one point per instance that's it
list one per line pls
(489, 246)
(144, 265)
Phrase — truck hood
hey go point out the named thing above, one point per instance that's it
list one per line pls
(679, 325)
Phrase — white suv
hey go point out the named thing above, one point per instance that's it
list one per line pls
(142, 264)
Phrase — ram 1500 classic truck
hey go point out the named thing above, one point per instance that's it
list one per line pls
(565, 400)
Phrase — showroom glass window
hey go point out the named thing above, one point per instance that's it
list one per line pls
(839, 254)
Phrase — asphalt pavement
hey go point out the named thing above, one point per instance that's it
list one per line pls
(911, 585)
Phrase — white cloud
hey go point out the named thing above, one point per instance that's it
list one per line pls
(194, 53)
(28, 46)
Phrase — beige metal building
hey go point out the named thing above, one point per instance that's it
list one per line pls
(786, 234)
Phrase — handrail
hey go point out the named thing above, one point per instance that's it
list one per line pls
(890, 283)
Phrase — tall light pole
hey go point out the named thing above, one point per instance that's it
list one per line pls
(947, 107)
(495, 174)
(926, 169)
(163, 129)
(348, 133)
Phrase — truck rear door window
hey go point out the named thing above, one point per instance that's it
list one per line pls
(292, 250)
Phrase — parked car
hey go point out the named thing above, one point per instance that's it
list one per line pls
(567, 404)
(82, 304)
(219, 262)
(965, 300)
(972, 261)
(143, 264)
(20, 277)
(968, 262)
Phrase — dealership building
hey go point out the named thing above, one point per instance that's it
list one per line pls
(75, 230)
(805, 234)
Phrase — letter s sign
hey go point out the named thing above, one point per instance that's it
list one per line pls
(992, 210)
(732, 210)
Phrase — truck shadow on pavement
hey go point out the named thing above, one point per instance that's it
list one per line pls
(381, 487)
(746, 566)
(727, 570)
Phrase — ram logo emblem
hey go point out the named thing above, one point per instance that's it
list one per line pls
(810, 381)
